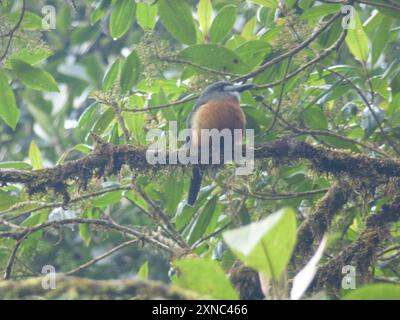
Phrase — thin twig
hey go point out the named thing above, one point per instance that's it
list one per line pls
(370, 108)
(10, 34)
(163, 106)
(292, 52)
(103, 256)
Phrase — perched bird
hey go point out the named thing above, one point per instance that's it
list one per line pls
(218, 107)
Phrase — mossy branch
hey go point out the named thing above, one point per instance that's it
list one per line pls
(316, 225)
(73, 288)
(108, 159)
(362, 252)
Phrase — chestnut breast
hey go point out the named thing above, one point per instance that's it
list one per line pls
(218, 114)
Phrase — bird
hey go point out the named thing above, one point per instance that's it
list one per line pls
(218, 107)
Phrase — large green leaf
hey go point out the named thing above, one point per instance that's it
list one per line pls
(253, 52)
(9, 111)
(204, 13)
(357, 39)
(15, 165)
(381, 39)
(322, 10)
(35, 156)
(82, 34)
(315, 118)
(386, 11)
(173, 189)
(7, 200)
(223, 23)
(267, 3)
(33, 77)
(135, 121)
(130, 72)
(205, 277)
(146, 15)
(248, 29)
(122, 18)
(200, 223)
(215, 57)
(29, 55)
(30, 21)
(112, 75)
(375, 292)
(265, 245)
(100, 10)
(176, 16)
(107, 199)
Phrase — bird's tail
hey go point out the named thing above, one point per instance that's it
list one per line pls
(195, 184)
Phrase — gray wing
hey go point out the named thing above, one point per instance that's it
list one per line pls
(195, 108)
(197, 105)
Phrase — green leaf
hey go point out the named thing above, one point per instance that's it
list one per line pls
(205, 277)
(84, 148)
(104, 121)
(29, 55)
(215, 57)
(35, 219)
(387, 11)
(146, 15)
(136, 199)
(223, 23)
(202, 221)
(267, 3)
(375, 292)
(87, 116)
(130, 72)
(35, 156)
(9, 111)
(357, 39)
(64, 18)
(34, 78)
(107, 199)
(183, 215)
(83, 34)
(40, 109)
(15, 165)
(30, 21)
(381, 39)
(100, 11)
(143, 272)
(315, 118)
(322, 10)
(111, 75)
(176, 16)
(7, 200)
(253, 52)
(173, 192)
(84, 232)
(204, 13)
(248, 29)
(265, 245)
(135, 120)
(122, 18)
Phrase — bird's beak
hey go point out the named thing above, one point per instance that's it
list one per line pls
(238, 87)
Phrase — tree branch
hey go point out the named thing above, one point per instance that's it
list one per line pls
(361, 252)
(84, 288)
(108, 159)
